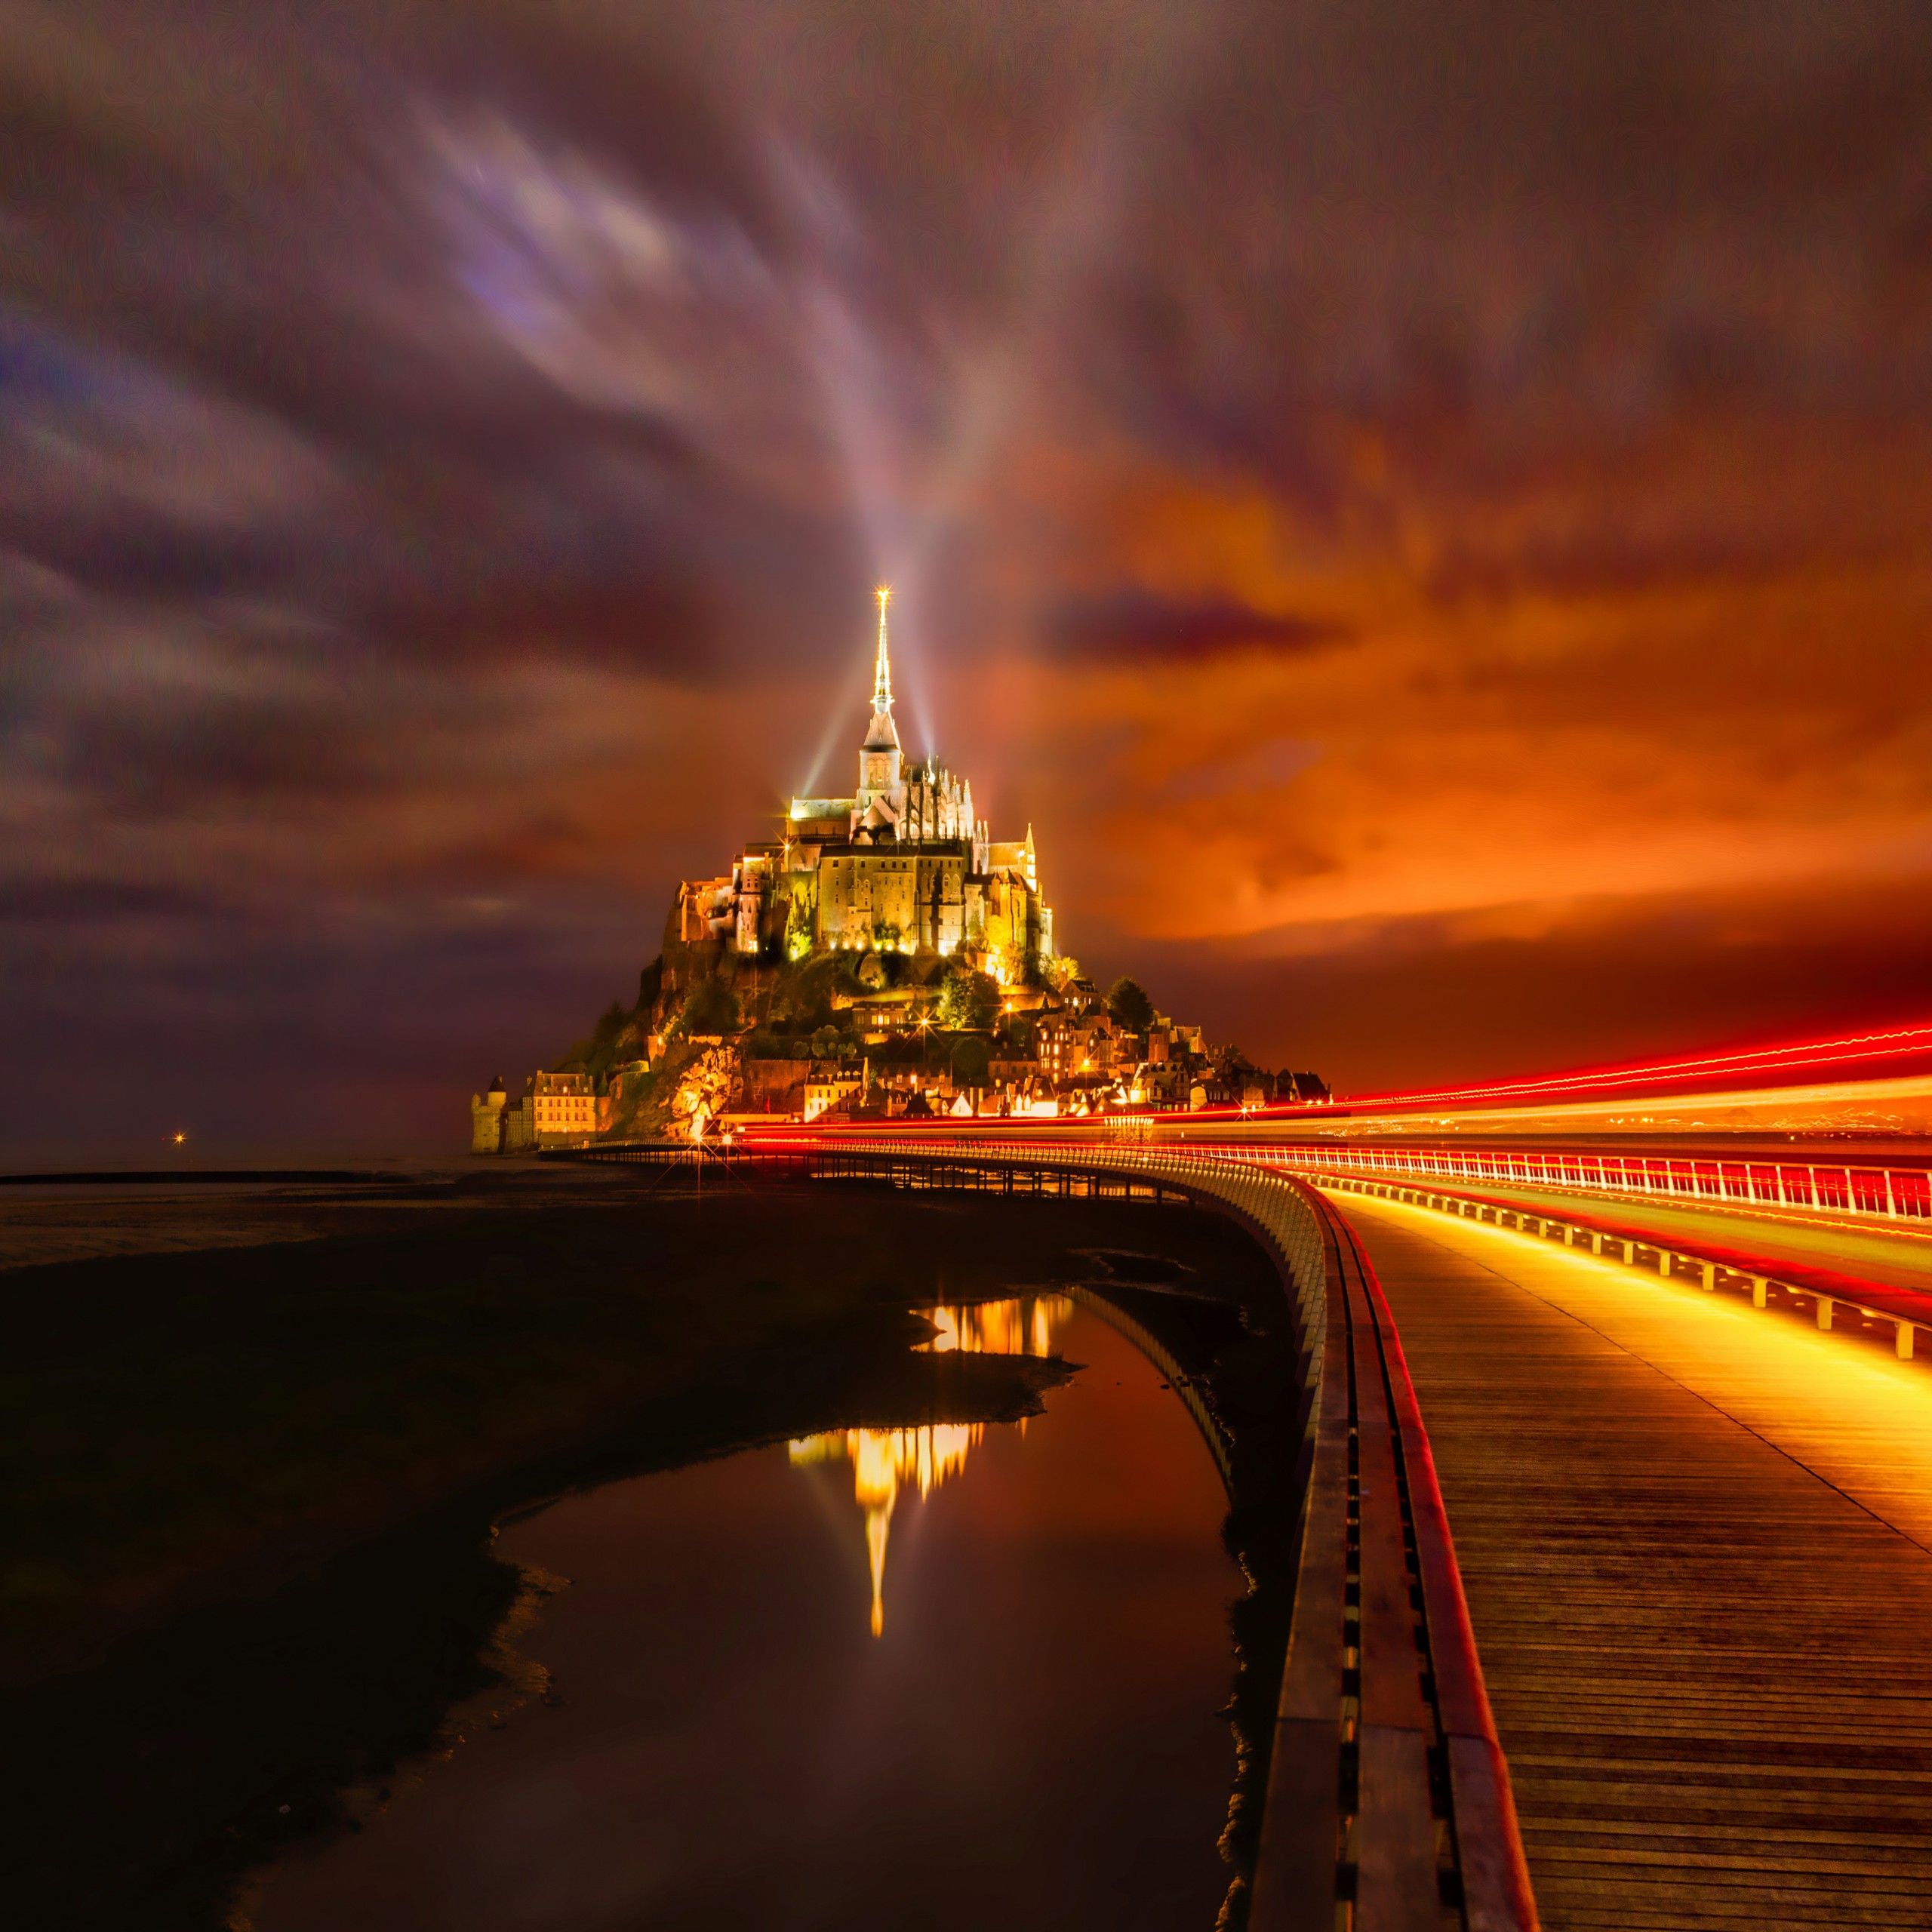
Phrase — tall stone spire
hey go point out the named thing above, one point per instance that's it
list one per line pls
(881, 796)
(882, 671)
(884, 735)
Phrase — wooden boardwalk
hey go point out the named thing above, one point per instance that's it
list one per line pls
(1697, 1550)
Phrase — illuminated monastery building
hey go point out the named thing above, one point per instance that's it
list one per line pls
(903, 864)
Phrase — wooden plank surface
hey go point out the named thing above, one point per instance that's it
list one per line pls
(1695, 1547)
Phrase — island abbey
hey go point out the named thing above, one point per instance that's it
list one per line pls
(904, 864)
(884, 956)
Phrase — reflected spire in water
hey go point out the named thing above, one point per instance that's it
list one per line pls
(884, 1460)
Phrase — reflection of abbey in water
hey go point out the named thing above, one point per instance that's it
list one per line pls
(885, 1460)
(902, 865)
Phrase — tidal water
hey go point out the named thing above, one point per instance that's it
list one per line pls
(959, 1677)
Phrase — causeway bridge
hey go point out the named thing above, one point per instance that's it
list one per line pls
(1617, 1533)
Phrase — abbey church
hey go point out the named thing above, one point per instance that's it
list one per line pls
(903, 864)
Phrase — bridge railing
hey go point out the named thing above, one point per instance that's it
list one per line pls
(1830, 1298)
(1389, 1800)
(1891, 1193)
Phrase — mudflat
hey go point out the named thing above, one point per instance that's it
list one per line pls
(184, 1422)
(253, 1440)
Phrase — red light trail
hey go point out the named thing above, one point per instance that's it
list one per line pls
(1810, 1057)
(1889, 1052)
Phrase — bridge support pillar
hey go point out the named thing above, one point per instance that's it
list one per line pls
(1904, 1341)
(1665, 1258)
(1759, 1288)
(1824, 1312)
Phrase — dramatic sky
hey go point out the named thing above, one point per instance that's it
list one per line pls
(1426, 507)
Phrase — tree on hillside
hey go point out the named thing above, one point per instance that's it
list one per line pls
(968, 1002)
(711, 1007)
(801, 927)
(1059, 973)
(597, 1055)
(1130, 1008)
(803, 996)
